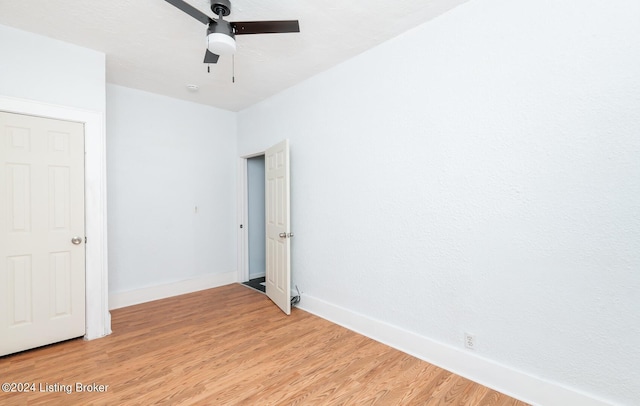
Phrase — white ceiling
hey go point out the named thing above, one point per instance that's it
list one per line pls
(153, 46)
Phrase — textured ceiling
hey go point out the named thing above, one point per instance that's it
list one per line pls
(153, 46)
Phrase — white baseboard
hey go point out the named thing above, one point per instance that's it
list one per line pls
(133, 297)
(486, 372)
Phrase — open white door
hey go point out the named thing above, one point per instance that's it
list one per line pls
(278, 244)
(42, 252)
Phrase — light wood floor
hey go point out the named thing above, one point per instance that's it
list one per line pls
(230, 345)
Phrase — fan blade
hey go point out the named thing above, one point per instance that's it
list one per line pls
(265, 27)
(192, 11)
(210, 57)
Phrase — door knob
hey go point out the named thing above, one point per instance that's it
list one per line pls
(282, 235)
(76, 240)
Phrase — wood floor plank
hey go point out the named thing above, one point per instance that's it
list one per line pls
(232, 346)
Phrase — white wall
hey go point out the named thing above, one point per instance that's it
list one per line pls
(39, 68)
(256, 212)
(165, 157)
(480, 173)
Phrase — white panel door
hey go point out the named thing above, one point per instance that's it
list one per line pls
(278, 245)
(42, 271)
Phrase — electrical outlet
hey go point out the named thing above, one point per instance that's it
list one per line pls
(470, 341)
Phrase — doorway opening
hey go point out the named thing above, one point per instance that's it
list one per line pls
(256, 223)
(277, 211)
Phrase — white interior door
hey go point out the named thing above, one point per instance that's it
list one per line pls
(42, 252)
(278, 245)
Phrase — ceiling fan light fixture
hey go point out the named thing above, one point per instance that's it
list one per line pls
(221, 33)
(221, 44)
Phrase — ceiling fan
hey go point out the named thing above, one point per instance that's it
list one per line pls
(221, 34)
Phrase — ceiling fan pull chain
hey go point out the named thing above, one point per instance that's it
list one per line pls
(233, 68)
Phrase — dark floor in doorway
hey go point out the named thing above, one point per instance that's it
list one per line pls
(256, 284)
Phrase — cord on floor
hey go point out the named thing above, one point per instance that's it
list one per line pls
(295, 299)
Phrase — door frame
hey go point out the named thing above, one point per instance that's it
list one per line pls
(243, 216)
(98, 318)
(253, 230)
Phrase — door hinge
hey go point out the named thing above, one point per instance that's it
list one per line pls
(85, 239)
